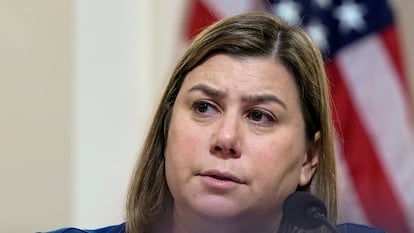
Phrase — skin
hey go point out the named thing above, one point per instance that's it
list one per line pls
(236, 146)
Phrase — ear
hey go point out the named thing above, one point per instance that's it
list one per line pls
(310, 161)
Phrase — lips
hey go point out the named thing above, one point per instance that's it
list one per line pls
(223, 176)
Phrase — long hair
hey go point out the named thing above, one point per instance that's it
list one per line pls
(254, 34)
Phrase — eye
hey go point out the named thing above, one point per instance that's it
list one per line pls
(261, 117)
(204, 108)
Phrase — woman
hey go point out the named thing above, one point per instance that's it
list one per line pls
(250, 89)
(245, 121)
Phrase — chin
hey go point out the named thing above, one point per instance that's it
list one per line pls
(220, 209)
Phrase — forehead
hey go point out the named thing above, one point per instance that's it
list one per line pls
(247, 74)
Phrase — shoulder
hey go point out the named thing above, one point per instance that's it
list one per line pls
(357, 228)
(109, 229)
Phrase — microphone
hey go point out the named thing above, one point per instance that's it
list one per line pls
(304, 210)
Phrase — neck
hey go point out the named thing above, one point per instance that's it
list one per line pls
(192, 223)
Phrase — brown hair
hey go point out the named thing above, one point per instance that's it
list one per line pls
(253, 34)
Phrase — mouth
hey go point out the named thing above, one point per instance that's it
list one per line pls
(222, 176)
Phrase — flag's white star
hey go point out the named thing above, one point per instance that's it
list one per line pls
(350, 16)
(289, 11)
(323, 3)
(319, 33)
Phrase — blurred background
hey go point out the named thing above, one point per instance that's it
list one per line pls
(79, 80)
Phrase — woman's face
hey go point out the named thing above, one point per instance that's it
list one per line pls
(236, 143)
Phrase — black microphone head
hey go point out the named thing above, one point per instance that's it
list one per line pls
(300, 209)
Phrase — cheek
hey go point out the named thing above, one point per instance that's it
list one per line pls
(181, 155)
(182, 141)
(279, 162)
(182, 147)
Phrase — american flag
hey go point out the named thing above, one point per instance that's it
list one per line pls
(372, 109)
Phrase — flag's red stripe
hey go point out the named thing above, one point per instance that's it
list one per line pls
(371, 183)
(391, 41)
(200, 16)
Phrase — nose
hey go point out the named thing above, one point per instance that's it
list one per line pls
(225, 141)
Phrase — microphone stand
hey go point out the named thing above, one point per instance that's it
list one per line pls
(318, 215)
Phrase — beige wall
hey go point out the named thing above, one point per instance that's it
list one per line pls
(36, 109)
(35, 114)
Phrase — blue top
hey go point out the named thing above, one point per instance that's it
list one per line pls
(342, 228)
(356, 228)
(109, 229)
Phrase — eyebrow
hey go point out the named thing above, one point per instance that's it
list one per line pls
(207, 90)
(262, 98)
